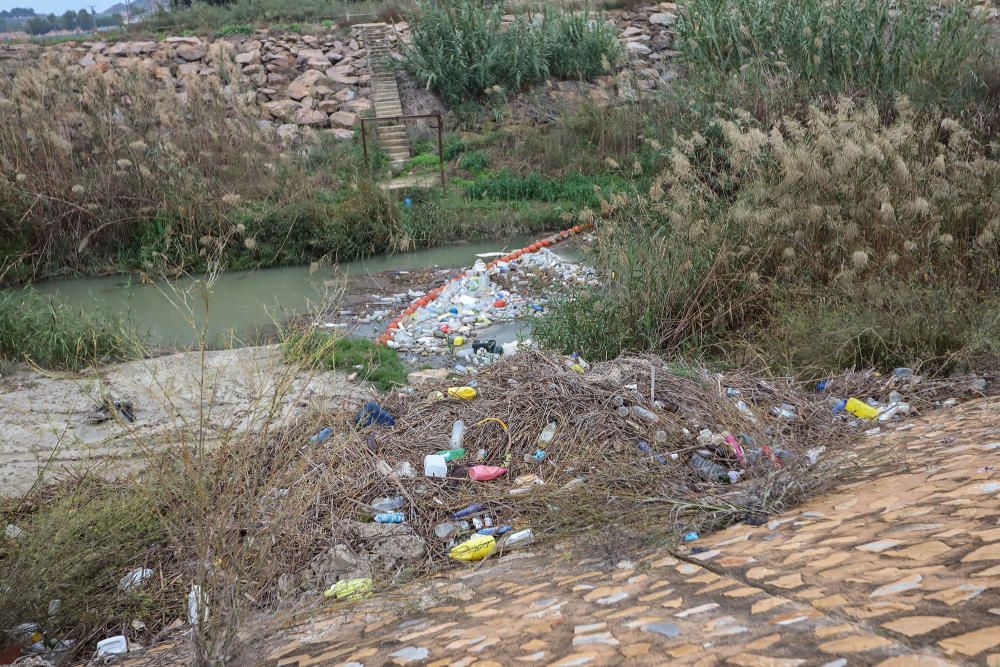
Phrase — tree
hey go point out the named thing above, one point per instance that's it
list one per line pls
(109, 21)
(68, 20)
(85, 20)
(17, 13)
(39, 25)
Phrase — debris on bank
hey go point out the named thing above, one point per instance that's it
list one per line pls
(550, 444)
(543, 446)
(508, 288)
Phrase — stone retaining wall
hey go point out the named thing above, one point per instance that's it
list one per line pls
(320, 81)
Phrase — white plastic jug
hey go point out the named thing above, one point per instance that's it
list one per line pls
(435, 466)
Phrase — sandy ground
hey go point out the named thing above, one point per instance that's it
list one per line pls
(43, 416)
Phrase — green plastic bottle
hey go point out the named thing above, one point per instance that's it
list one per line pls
(451, 454)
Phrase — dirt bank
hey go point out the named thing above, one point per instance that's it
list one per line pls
(44, 424)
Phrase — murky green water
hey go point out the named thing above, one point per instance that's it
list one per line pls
(240, 307)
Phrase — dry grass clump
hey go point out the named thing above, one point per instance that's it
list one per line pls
(881, 222)
(113, 165)
(839, 198)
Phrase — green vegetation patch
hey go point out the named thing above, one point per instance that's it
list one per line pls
(464, 49)
(53, 335)
(375, 363)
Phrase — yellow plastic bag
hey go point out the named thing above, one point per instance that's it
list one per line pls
(465, 393)
(860, 409)
(350, 589)
(476, 547)
(458, 341)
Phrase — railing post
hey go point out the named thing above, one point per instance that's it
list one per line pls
(440, 151)
(364, 145)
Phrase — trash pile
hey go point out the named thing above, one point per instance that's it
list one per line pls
(505, 289)
(542, 446)
(545, 444)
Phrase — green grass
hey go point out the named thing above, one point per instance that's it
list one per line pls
(474, 161)
(379, 365)
(43, 331)
(920, 48)
(578, 189)
(463, 51)
(215, 17)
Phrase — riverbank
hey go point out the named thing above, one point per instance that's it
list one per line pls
(179, 400)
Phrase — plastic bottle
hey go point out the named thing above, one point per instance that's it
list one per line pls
(451, 454)
(372, 413)
(691, 536)
(519, 539)
(350, 589)
(435, 466)
(390, 517)
(387, 504)
(457, 434)
(325, 433)
(642, 412)
(860, 409)
(537, 457)
(495, 530)
(464, 393)
(197, 607)
(476, 547)
(467, 511)
(646, 449)
(547, 435)
(709, 469)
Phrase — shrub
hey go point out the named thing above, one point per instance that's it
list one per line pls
(462, 50)
(474, 161)
(742, 219)
(871, 47)
(378, 364)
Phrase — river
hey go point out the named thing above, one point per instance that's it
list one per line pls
(241, 307)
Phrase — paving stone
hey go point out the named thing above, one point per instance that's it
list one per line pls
(597, 638)
(988, 552)
(634, 650)
(879, 546)
(905, 584)
(789, 581)
(750, 660)
(912, 626)
(916, 661)
(960, 593)
(855, 644)
(668, 630)
(922, 551)
(575, 659)
(972, 643)
(701, 609)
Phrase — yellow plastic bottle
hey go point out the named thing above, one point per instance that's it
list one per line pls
(465, 393)
(476, 547)
(861, 409)
(350, 589)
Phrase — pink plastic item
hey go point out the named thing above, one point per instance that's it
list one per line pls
(485, 473)
(737, 448)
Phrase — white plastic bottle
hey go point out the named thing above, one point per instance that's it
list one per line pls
(457, 434)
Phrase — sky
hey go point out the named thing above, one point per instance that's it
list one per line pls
(56, 6)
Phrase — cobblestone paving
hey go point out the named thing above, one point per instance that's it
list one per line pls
(898, 566)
